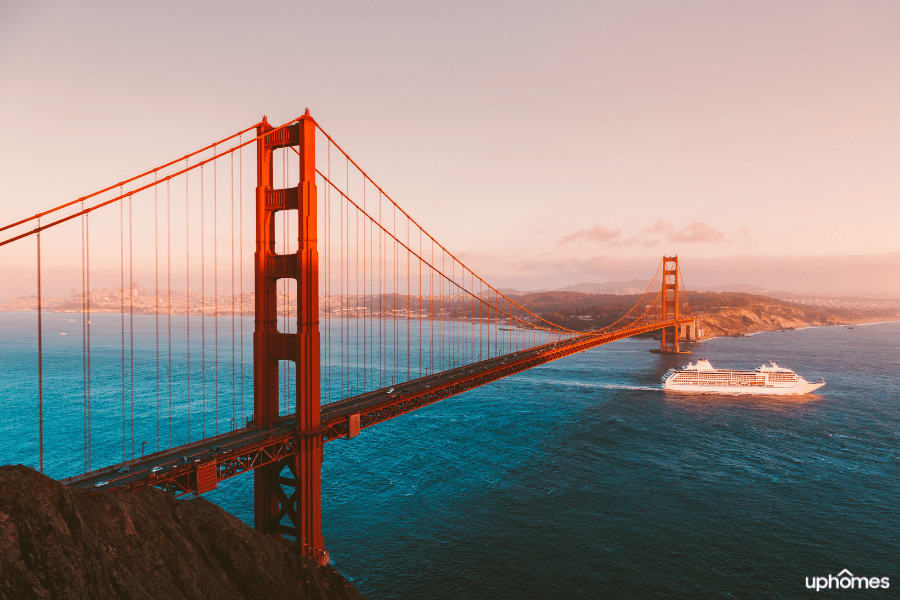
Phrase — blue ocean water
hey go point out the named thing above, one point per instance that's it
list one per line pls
(583, 479)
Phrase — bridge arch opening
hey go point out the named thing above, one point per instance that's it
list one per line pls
(286, 305)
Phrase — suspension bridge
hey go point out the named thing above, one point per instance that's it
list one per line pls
(359, 316)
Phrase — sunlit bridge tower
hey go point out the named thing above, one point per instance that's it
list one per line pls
(296, 512)
(669, 305)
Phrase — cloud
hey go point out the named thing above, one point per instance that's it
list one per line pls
(697, 232)
(659, 226)
(599, 234)
(658, 233)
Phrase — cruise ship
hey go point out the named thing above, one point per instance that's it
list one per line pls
(702, 377)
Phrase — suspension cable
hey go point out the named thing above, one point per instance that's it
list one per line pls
(40, 359)
(136, 190)
(413, 220)
(87, 257)
(131, 314)
(126, 181)
(169, 296)
(156, 291)
(84, 347)
(122, 311)
(216, 287)
(448, 279)
(187, 239)
(202, 313)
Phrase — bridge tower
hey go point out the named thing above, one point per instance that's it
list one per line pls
(301, 472)
(669, 304)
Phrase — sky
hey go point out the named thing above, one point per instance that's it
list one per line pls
(545, 143)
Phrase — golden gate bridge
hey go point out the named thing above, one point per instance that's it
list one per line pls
(360, 316)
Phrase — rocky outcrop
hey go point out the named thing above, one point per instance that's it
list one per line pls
(738, 321)
(60, 542)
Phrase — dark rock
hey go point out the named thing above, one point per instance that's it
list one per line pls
(61, 542)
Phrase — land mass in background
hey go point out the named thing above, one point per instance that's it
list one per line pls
(721, 312)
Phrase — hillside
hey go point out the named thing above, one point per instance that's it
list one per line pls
(61, 542)
(737, 313)
(727, 313)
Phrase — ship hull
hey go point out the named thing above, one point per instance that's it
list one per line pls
(794, 390)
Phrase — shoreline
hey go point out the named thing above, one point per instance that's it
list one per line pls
(850, 323)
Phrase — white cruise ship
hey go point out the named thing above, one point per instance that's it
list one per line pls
(702, 377)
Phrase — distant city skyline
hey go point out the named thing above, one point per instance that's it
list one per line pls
(545, 145)
(799, 275)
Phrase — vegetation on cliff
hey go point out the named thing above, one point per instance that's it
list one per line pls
(720, 313)
(62, 542)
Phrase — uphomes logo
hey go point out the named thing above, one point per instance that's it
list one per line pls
(845, 580)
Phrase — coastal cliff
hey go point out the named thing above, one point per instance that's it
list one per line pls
(720, 313)
(738, 314)
(62, 542)
(741, 321)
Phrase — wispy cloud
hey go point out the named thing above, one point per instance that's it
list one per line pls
(598, 234)
(658, 233)
(697, 233)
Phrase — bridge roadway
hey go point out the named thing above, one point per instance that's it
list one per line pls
(198, 467)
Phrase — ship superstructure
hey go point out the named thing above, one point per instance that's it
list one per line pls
(702, 377)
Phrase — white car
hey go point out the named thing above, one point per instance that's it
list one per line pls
(156, 469)
(390, 391)
(101, 484)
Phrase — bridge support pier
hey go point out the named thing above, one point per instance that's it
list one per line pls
(279, 512)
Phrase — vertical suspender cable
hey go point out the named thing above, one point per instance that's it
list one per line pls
(84, 343)
(431, 310)
(233, 356)
(169, 296)
(371, 311)
(326, 216)
(216, 287)
(156, 259)
(341, 290)
(202, 311)
(408, 307)
(131, 314)
(380, 298)
(396, 288)
(241, 262)
(355, 279)
(187, 239)
(420, 302)
(122, 308)
(365, 384)
(332, 305)
(347, 358)
(40, 355)
(371, 301)
(346, 265)
(87, 260)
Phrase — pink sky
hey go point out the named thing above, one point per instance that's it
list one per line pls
(543, 142)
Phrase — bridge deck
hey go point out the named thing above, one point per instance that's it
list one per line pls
(197, 467)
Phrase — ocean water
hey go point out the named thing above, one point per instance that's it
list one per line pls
(582, 478)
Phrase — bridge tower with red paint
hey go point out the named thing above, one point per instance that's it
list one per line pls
(300, 472)
(669, 305)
